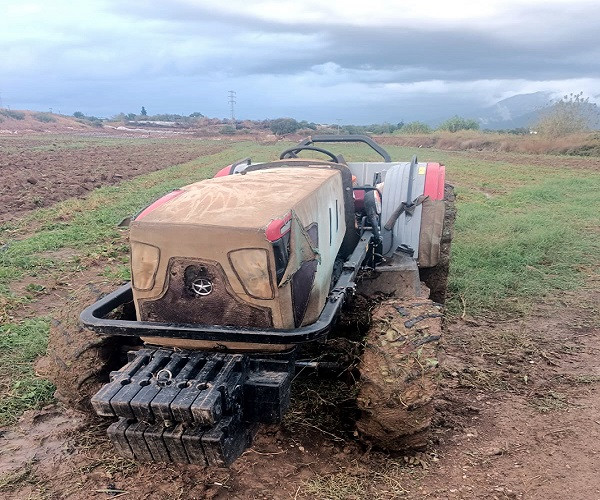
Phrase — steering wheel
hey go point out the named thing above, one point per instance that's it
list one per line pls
(292, 152)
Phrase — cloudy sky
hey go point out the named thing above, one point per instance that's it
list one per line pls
(320, 60)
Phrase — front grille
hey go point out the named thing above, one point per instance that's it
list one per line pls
(182, 302)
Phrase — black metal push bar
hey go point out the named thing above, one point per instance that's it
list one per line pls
(94, 316)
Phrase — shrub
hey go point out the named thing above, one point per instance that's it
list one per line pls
(44, 117)
(307, 125)
(91, 120)
(354, 129)
(78, 114)
(415, 128)
(228, 130)
(282, 126)
(383, 128)
(457, 123)
(569, 115)
(519, 131)
(94, 121)
(15, 115)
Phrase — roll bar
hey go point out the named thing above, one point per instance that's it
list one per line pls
(348, 138)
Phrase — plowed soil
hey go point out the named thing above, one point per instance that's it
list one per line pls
(40, 171)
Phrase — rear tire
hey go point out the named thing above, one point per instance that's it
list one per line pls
(436, 277)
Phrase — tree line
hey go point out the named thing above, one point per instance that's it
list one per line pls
(573, 113)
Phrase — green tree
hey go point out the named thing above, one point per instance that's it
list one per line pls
(78, 114)
(228, 130)
(144, 112)
(282, 126)
(415, 128)
(457, 123)
(309, 125)
(571, 114)
(354, 129)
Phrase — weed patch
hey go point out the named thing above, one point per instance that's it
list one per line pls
(20, 389)
(25, 475)
(44, 117)
(325, 406)
(15, 115)
(550, 401)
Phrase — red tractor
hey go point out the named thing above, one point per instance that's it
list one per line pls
(232, 277)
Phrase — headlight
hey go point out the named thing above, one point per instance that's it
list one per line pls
(144, 264)
(251, 266)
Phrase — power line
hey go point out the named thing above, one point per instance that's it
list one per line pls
(232, 102)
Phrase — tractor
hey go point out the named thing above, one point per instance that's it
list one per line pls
(233, 277)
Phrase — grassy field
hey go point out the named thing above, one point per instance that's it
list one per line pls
(523, 231)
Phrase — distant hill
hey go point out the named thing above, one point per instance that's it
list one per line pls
(521, 110)
(22, 121)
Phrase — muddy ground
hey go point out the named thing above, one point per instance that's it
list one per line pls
(517, 417)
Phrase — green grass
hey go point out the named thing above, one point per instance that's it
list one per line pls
(21, 390)
(514, 248)
(522, 231)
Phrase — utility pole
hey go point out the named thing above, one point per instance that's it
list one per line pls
(232, 103)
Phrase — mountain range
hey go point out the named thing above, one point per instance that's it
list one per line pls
(521, 110)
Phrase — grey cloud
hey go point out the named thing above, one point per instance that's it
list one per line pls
(172, 56)
(454, 54)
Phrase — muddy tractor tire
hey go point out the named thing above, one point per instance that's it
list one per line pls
(399, 365)
(78, 361)
(398, 374)
(436, 278)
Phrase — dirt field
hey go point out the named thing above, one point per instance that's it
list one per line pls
(38, 172)
(518, 415)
